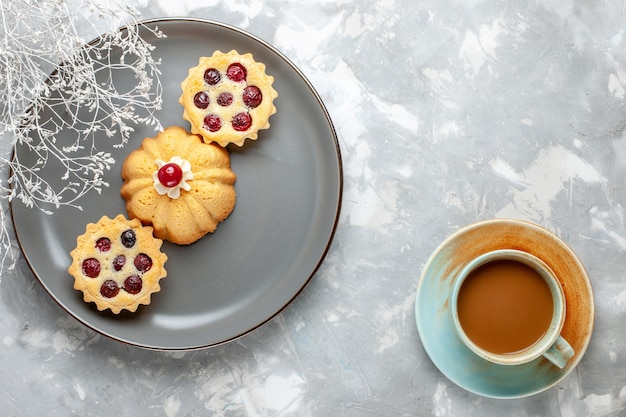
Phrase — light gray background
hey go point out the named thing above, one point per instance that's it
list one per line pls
(447, 113)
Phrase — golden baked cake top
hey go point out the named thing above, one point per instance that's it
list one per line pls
(117, 264)
(228, 97)
(180, 185)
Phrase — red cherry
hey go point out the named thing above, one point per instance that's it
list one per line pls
(143, 262)
(118, 262)
(252, 96)
(212, 76)
(133, 284)
(170, 175)
(236, 72)
(103, 244)
(109, 289)
(201, 100)
(225, 99)
(242, 122)
(212, 123)
(91, 267)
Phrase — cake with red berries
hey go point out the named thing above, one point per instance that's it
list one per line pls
(179, 185)
(228, 97)
(117, 264)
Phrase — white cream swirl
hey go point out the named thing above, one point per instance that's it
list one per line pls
(173, 192)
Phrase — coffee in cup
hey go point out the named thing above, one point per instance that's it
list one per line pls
(509, 308)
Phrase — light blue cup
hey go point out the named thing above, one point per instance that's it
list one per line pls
(551, 345)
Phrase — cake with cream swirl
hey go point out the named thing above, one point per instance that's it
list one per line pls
(179, 185)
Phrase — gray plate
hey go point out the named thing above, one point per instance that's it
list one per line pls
(225, 285)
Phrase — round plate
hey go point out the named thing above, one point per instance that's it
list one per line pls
(289, 186)
(434, 319)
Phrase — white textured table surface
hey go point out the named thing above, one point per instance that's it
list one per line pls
(447, 113)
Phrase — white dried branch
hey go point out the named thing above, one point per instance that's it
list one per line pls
(52, 81)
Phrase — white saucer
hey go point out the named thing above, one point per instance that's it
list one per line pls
(434, 320)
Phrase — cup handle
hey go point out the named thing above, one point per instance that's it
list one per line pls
(560, 352)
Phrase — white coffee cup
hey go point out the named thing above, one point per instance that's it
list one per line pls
(551, 344)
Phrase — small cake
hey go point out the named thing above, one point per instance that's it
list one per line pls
(117, 264)
(228, 98)
(179, 185)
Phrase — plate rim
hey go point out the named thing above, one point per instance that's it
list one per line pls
(331, 231)
(448, 242)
